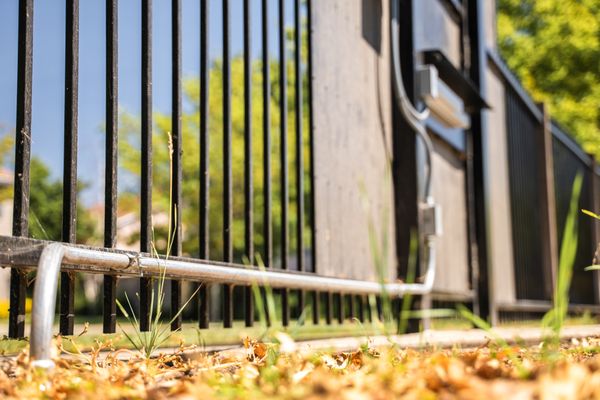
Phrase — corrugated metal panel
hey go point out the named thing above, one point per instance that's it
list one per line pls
(525, 198)
(566, 166)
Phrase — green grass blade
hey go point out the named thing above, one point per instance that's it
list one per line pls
(184, 305)
(591, 214)
(554, 318)
(135, 344)
(123, 311)
(410, 278)
(271, 312)
(134, 321)
(480, 323)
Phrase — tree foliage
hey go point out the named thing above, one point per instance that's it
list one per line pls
(46, 198)
(45, 204)
(129, 159)
(554, 48)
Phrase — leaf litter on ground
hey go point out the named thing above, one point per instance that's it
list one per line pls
(278, 369)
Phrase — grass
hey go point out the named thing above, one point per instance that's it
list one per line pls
(147, 343)
(554, 319)
(216, 335)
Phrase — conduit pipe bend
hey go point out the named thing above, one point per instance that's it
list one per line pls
(416, 120)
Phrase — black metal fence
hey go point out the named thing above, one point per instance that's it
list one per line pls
(543, 163)
(289, 99)
(525, 199)
(570, 160)
(278, 211)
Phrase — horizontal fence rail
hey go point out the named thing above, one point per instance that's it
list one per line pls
(28, 255)
(275, 178)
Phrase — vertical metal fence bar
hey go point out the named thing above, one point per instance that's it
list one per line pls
(267, 199)
(311, 138)
(361, 308)
(69, 209)
(328, 308)
(20, 227)
(301, 302)
(227, 306)
(316, 308)
(477, 69)
(351, 307)
(283, 142)
(111, 159)
(146, 167)
(18, 295)
(547, 204)
(227, 177)
(312, 215)
(176, 170)
(248, 182)
(299, 146)
(340, 309)
(472, 237)
(204, 311)
(267, 231)
(109, 322)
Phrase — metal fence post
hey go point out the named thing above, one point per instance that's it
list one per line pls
(548, 199)
(18, 281)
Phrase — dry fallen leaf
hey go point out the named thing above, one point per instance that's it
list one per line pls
(286, 343)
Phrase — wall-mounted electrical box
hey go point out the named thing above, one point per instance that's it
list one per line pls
(443, 103)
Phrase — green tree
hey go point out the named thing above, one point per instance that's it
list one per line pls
(45, 202)
(554, 48)
(129, 152)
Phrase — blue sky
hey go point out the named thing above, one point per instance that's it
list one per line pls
(48, 69)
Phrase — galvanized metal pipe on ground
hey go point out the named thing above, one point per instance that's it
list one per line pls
(56, 254)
